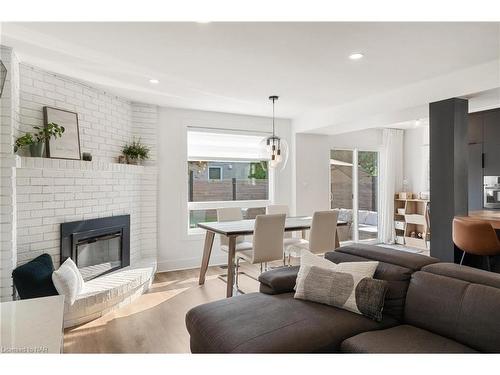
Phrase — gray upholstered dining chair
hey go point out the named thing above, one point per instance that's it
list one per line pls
(321, 236)
(267, 243)
(288, 239)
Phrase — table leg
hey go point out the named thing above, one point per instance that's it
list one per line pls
(207, 250)
(230, 266)
(337, 242)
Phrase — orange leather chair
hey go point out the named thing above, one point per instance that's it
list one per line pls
(475, 237)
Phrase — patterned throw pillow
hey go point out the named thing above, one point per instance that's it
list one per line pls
(352, 291)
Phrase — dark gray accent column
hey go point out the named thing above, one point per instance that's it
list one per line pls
(448, 172)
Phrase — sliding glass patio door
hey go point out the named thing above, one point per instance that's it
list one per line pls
(354, 192)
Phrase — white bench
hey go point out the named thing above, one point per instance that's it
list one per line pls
(109, 292)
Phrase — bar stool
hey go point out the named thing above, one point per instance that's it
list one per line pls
(475, 237)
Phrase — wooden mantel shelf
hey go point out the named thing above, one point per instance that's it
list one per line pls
(82, 165)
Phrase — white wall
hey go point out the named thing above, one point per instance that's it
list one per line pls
(368, 139)
(312, 176)
(9, 116)
(312, 162)
(177, 249)
(416, 158)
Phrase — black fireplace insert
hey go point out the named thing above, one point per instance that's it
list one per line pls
(97, 246)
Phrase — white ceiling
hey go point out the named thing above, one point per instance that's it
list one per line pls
(234, 67)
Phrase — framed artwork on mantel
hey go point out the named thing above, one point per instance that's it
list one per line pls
(68, 145)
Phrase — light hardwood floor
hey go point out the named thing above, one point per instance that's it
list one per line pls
(154, 323)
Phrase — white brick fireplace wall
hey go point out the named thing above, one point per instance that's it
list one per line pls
(51, 192)
(37, 194)
(105, 120)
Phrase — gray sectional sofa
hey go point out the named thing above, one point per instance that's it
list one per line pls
(430, 307)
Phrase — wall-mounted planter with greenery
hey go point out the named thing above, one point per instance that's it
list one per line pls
(36, 141)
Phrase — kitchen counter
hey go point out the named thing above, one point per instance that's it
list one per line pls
(492, 216)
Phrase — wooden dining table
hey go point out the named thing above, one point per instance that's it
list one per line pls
(233, 229)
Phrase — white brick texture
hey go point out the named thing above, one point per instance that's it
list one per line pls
(52, 193)
(106, 121)
(38, 194)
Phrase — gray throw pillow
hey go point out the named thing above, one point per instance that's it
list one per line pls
(343, 290)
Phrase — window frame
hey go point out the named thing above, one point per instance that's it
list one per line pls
(221, 177)
(355, 188)
(211, 205)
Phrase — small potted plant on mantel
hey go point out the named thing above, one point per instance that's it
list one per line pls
(135, 152)
(36, 141)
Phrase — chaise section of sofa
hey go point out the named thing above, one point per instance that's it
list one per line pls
(262, 323)
(274, 322)
(449, 309)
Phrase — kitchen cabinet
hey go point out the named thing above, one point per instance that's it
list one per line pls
(491, 159)
(475, 129)
(491, 141)
(484, 152)
(491, 126)
(475, 180)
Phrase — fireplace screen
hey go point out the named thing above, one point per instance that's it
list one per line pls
(97, 246)
(98, 255)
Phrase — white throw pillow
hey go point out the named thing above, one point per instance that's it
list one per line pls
(68, 281)
(73, 266)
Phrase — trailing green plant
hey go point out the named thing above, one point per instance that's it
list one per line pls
(48, 131)
(23, 141)
(136, 150)
(43, 134)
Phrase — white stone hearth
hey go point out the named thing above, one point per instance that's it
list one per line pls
(109, 292)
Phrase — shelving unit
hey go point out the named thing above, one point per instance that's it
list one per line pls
(412, 216)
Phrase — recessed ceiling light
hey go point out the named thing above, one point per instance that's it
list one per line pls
(356, 56)
(154, 81)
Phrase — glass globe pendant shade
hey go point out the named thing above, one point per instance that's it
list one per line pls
(275, 151)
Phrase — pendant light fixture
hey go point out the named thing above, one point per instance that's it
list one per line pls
(276, 148)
